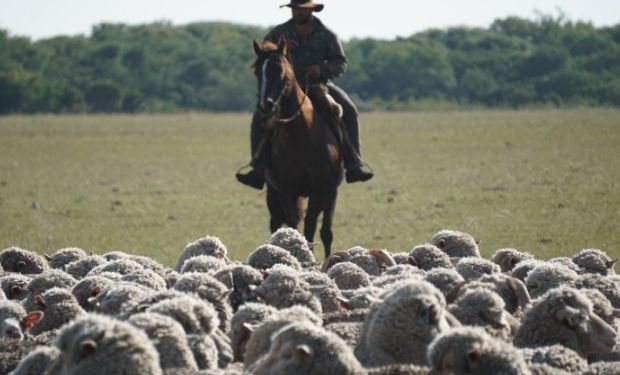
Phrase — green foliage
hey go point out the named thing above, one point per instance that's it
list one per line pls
(159, 67)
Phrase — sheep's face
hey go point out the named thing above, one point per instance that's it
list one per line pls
(463, 358)
(13, 325)
(21, 262)
(286, 357)
(592, 333)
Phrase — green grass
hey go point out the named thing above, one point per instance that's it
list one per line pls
(543, 181)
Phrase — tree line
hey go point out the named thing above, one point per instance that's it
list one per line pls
(160, 67)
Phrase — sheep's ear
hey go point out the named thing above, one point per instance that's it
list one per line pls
(249, 328)
(47, 257)
(472, 357)
(568, 316)
(305, 352)
(87, 347)
(282, 46)
(95, 291)
(344, 303)
(441, 244)
(256, 47)
(38, 299)
(32, 318)
(520, 291)
(513, 260)
(411, 260)
(611, 263)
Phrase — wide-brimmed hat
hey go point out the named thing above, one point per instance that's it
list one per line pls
(304, 4)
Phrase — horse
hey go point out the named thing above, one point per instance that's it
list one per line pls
(306, 155)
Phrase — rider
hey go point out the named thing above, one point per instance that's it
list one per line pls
(317, 56)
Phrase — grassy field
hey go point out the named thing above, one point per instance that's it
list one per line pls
(542, 181)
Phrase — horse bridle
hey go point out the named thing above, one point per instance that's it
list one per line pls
(274, 115)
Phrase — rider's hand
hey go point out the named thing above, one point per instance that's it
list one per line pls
(314, 72)
(291, 44)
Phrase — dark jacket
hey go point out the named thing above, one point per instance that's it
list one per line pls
(320, 47)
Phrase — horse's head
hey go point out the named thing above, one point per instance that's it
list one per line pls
(274, 74)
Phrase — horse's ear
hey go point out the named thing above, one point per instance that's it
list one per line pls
(282, 46)
(256, 47)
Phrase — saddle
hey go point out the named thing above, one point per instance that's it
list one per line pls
(329, 109)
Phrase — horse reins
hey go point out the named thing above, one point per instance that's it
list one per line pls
(277, 106)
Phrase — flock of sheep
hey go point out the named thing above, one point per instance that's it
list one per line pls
(439, 309)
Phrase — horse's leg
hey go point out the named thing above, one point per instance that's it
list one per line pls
(275, 210)
(329, 206)
(312, 215)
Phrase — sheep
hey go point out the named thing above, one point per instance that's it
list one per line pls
(37, 361)
(62, 257)
(403, 258)
(80, 268)
(240, 279)
(52, 278)
(14, 320)
(601, 306)
(508, 258)
(372, 262)
(169, 339)
(302, 348)
(203, 263)
(470, 350)
(566, 262)
(521, 270)
(361, 298)
(196, 316)
(95, 344)
(398, 329)
(119, 298)
(210, 289)
(403, 269)
(348, 275)
(15, 259)
(260, 338)
(595, 261)
(456, 244)
(558, 357)
(548, 276)
(350, 332)
(564, 316)
(116, 255)
(150, 264)
(604, 284)
(386, 281)
(248, 314)
(295, 243)
(429, 256)
(208, 245)
(266, 256)
(12, 351)
(473, 267)
(15, 285)
(324, 288)
(59, 306)
(483, 307)
(147, 278)
(90, 287)
(443, 279)
(123, 266)
(204, 350)
(283, 288)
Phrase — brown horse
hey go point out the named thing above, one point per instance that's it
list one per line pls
(306, 157)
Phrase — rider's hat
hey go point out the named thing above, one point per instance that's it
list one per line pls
(304, 4)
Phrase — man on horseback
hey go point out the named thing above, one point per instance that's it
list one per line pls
(317, 56)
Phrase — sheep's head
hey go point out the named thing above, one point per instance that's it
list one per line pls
(14, 321)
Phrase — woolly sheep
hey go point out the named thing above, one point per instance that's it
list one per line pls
(456, 244)
(558, 357)
(97, 345)
(14, 320)
(564, 316)
(146, 278)
(194, 315)
(348, 275)
(398, 329)
(443, 279)
(208, 245)
(484, 308)
(371, 261)
(90, 287)
(123, 266)
(150, 264)
(37, 361)
(390, 281)
(601, 306)
(508, 258)
(59, 306)
(403, 269)
(169, 339)
(604, 284)
(473, 268)
(249, 314)
(13, 351)
(80, 268)
(209, 289)
(548, 276)
(260, 339)
(302, 348)
(566, 262)
(295, 243)
(470, 350)
(324, 288)
(521, 270)
(266, 256)
(62, 257)
(595, 261)
(361, 298)
(283, 288)
(46, 280)
(203, 263)
(15, 285)
(350, 332)
(15, 259)
(116, 255)
(403, 258)
(241, 280)
(204, 350)
(119, 298)
(429, 256)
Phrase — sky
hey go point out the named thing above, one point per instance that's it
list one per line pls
(385, 19)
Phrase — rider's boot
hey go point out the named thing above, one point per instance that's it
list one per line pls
(256, 176)
(357, 170)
